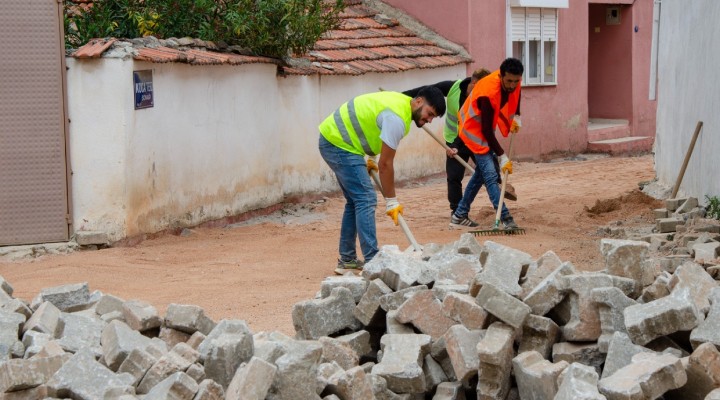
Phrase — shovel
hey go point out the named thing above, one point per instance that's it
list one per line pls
(446, 147)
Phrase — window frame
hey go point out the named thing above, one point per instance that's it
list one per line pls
(548, 33)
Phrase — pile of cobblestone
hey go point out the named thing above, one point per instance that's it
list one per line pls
(460, 321)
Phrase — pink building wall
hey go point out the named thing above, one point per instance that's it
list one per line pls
(555, 117)
(610, 64)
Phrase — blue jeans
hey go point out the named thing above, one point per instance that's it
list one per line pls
(358, 221)
(485, 173)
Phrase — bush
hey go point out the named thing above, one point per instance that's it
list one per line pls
(713, 207)
(107, 18)
(273, 28)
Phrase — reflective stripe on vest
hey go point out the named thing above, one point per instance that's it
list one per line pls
(337, 117)
(453, 105)
(353, 126)
(470, 120)
(478, 140)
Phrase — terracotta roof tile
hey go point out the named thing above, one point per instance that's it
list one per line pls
(93, 49)
(357, 11)
(361, 23)
(369, 42)
(161, 55)
(366, 41)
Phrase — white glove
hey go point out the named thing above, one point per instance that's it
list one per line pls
(505, 164)
(516, 124)
(390, 203)
(393, 208)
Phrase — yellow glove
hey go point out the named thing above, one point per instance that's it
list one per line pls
(505, 164)
(516, 124)
(371, 165)
(393, 209)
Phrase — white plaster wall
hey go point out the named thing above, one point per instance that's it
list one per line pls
(307, 101)
(97, 144)
(206, 149)
(219, 141)
(688, 92)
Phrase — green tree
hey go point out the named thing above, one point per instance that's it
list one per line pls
(105, 18)
(273, 28)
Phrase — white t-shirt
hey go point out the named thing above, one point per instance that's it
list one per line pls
(392, 128)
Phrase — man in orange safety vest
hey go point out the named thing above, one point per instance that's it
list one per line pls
(493, 103)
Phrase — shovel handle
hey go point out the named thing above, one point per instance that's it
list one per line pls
(401, 220)
(685, 161)
(446, 147)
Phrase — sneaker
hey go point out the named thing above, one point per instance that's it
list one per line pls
(349, 266)
(462, 222)
(510, 192)
(509, 223)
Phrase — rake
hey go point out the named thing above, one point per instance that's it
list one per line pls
(496, 230)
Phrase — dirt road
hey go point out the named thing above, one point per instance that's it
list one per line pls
(258, 269)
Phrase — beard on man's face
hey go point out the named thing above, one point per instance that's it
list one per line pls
(416, 116)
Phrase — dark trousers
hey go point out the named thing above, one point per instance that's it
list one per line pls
(456, 172)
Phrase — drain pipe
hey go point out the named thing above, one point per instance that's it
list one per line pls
(654, 49)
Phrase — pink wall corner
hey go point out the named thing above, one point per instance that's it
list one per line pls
(487, 34)
(644, 109)
(452, 17)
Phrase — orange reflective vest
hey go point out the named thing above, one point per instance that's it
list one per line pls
(470, 118)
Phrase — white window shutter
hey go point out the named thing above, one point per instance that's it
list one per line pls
(518, 24)
(534, 23)
(541, 3)
(549, 24)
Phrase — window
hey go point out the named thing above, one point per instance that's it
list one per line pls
(534, 42)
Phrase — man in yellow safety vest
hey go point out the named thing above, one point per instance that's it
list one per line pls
(370, 124)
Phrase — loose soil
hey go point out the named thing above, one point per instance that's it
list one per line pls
(258, 269)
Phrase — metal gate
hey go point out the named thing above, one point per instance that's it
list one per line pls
(33, 154)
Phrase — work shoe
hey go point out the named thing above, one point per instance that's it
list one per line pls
(462, 222)
(509, 223)
(349, 266)
(510, 192)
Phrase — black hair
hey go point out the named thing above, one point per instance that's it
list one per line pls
(511, 65)
(434, 97)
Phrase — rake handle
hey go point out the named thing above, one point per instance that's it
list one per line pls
(401, 220)
(502, 188)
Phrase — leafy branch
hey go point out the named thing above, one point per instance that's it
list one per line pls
(273, 28)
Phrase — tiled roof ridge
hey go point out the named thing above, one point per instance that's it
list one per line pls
(368, 40)
(365, 41)
(187, 50)
(416, 26)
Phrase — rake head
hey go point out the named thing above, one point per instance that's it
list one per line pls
(499, 232)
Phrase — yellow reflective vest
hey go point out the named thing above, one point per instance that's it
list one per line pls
(353, 126)
(453, 105)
